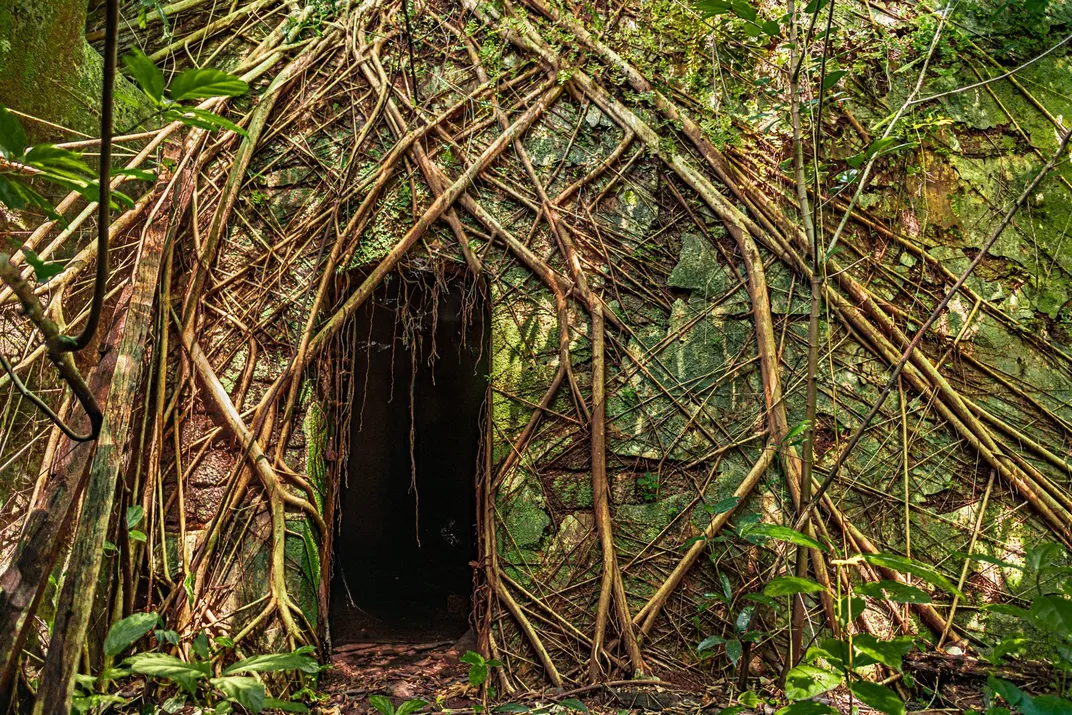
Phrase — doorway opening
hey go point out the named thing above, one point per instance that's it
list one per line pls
(407, 528)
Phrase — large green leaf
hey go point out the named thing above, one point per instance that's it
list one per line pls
(709, 642)
(889, 652)
(134, 515)
(710, 8)
(202, 119)
(125, 632)
(1054, 614)
(849, 608)
(1045, 705)
(900, 563)
(788, 585)
(42, 271)
(242, 689)
(382, 703)
(833, 78)
(204, 82)
(49, 156)
(807, 681)
(734, 650)
(780, 533)
(145, 73)
(879, 697)
(410, 706)
(12, 136)
(272, 663)
(17, 196)
(160, 665)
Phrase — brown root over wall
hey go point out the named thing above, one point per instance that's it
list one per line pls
(648, 306)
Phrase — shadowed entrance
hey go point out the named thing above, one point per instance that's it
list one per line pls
(407, 529)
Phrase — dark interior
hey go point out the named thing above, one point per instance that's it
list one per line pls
(401, 557)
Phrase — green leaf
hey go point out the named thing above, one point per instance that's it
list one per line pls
(512, 708)
(710, 8)
(273, 663)
(287, 706)
(472, 658)
(807, 707)
(890, 652)
(788, 585)
(815, 6)
(134, 515)
(136, 535)
(833, 78)
(49, 156)
(1008, 692)
(478, 674)
(12, 136)
(1053, 614)
(1045, 705)
(200, 645)
(748, 699)
(833, 651)
(204, 82)
(900, 563)
(574, 704)
(139, 174)
(1007, 646)
(242, 689)
(145, 73)
(849, 608)
(744, 11)
(734, 649)
(160, 665)
(17, 196)
(382, 704)
(410, 706)
(879, 697)
(168, 636)
(807, 681)
(125, 632)
(751, 29)
(1038, 557)
(43, 272)
(202, 119)
(709, 642)
(723, 506)
(780, 533)
(223, 641)
(895, 591)
(771, 27)
(798, 429)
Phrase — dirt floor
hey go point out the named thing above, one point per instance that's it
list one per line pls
(434, 672)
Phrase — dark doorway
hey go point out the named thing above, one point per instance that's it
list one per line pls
(407, 530)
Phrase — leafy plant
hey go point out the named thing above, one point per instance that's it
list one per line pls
(195, 83)
(21, 164)
(1046, 624)
(202, 678)
(648, 484)
(479, 667)
(384, 705)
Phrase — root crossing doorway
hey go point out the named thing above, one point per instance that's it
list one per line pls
(407, 534)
